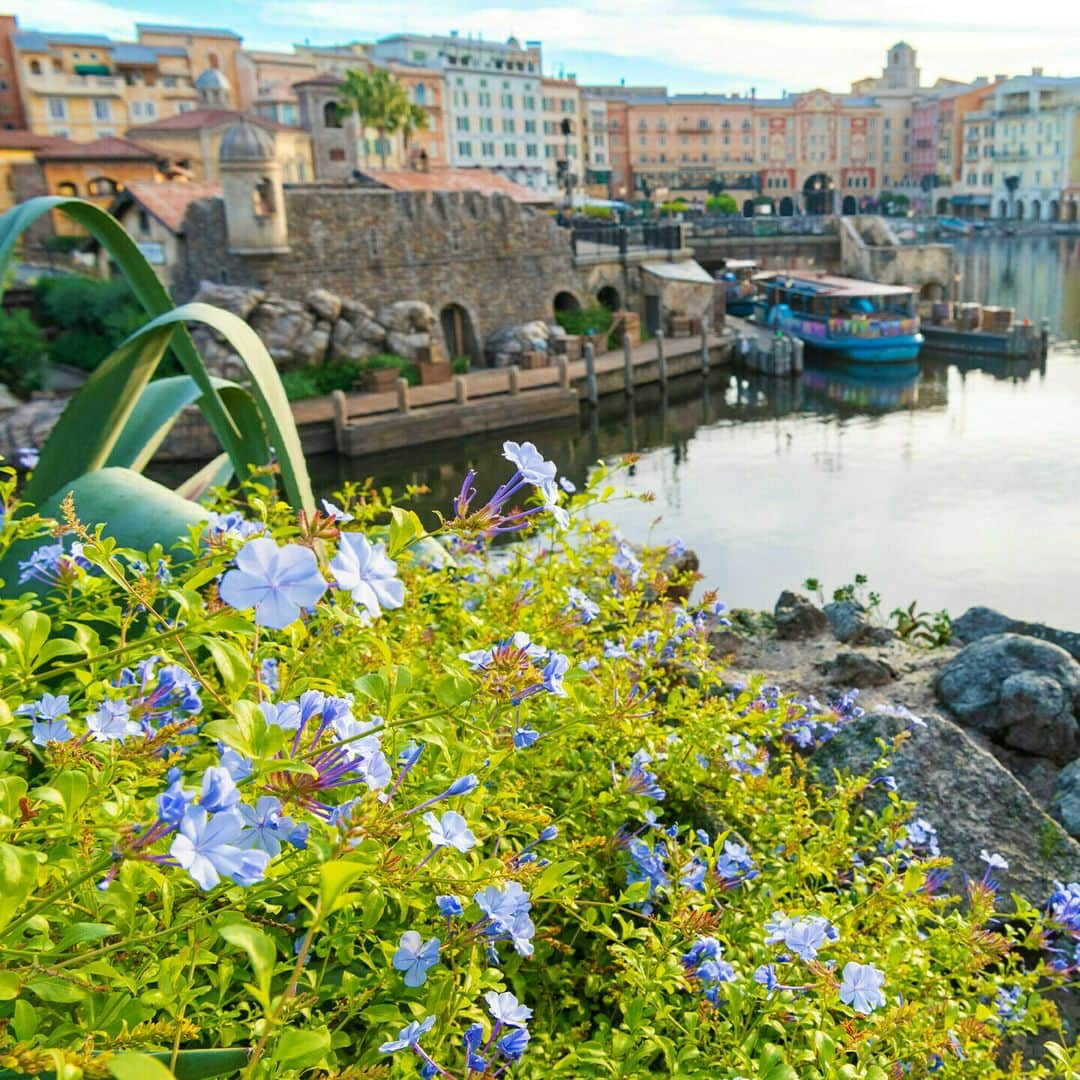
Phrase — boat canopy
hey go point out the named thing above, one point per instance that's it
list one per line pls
(825, 285)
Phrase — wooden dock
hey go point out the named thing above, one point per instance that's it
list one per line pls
(498, 398)
(760, 349)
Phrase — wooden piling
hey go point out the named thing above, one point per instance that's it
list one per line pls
(403, 395)
(461, 390)
(661, 358)
(513, 385)
(341, 418)
(705, 345)
(628, 365)
(591, 391)
(563, 366)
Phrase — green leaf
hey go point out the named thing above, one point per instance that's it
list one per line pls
(454, 690)
(260, 948)
(18, 876)
(132, 1065)
(53, 988)
(10, 985)
(334, 879)
(203, 1064)
(557, 872)
(78, 933)
(299, 1048)
(231, 662)
(405, 527)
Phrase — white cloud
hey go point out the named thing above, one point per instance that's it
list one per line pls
(81, 17)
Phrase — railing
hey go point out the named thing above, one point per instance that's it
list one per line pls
(708, 226)
(585, 237)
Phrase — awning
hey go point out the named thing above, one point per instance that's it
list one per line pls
(686, 270)
(970, 200)
(92, 69)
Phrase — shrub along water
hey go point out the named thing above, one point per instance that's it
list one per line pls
(334, 796)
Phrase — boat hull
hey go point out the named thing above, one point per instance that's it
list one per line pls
(740, 308)
(901, 349)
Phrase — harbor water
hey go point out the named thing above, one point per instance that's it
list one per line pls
(955, 484)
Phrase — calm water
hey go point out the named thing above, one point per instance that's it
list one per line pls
(957, 486)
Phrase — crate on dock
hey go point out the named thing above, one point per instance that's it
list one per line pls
(626, 323)
(534, 358)
(679, 326)
(939, 312)
(997, 320)
(968, 316)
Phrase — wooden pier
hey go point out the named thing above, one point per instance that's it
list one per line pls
(491, 399)
(767, 351)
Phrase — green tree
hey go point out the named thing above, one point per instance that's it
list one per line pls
(379, 100)
(721, 204)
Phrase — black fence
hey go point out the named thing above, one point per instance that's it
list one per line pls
(587, 236)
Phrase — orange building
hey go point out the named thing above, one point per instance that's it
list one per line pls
(207, 48)
(427, 148)
(96, 171)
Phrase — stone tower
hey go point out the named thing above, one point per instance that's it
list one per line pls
(214, 90)
(901, 72)
(255, 218)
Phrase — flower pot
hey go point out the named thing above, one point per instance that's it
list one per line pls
(379, 380)
(436, 371)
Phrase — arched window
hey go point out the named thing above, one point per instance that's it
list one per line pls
(331, 115)
(102, 185)
(262, 197)
(35, 67)
(67, 188)
(212, 59)
(420, 91)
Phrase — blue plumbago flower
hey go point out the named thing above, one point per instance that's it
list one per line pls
(283, 714)
(267, 826)
(1008, 1004)
(163, 695)
(492, 518)
(766, 976)
(27, 457)
(163, 573)
(638, 780)
(518, 642)
(567, 485)
(472, 1040)
(276, 581)
(921, 837)
(335, 512)
(51, 565)
(48, 719)
(615, 650)
(844, 706)
(886, 781)
(506, 916)
(547, 834)
(591, 663)
(705, 965)
(110, 722)
(993, 862)
(647, 864)
(408, 1036)
(588, 609)
(734, 865)
(449, 905)
(626, 562)
(368, 574)
(1063, 907)
(232, 526)
(415, 957)
(692, 875)
(452, 831)
(506, 1009)
(744, 757)
(806, 936)
(524, 855)
(551, 678)
(530, 463)
(861, 988)
(174, 800)
(514, 1044)
(524, 737)
(219, 790)
(646, 642)
(464, 785)
(211, 846)
(268, 674)
(237, 766)
(676, 547)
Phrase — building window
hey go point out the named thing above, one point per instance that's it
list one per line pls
(144, 221)
(102, 185)
(531, 150)
(68, 189)
(337, 154)
(464, 149)
(57, 109)
(35, 67)
(212, 60)
(331, 115)
(419, 93)
(262, 198)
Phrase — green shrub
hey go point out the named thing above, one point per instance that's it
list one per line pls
(721, 204)
(299, 384)
(675, 206)
(595, 319)
(22, 353)
(460, 364)
(601, 213)
(389, 808)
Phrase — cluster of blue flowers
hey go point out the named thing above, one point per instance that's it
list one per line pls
(52, 565)
(518, 669)
(504, 915)
(1063, 913)
(707, 968)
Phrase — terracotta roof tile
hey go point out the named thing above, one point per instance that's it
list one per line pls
(168, 202)
(31, 140)
(111, 148)
(482, 181)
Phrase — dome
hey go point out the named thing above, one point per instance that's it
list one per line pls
(212, 79)
(246, 141)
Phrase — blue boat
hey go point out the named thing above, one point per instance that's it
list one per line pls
(738, 278)
(843, 318)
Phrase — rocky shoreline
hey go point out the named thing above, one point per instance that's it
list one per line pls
(995, 763)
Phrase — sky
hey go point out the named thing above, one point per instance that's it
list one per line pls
(689, 45)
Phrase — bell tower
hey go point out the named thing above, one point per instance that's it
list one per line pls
(251, 184)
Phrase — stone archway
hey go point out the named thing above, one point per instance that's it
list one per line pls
(849, 206)
(458, 334)
(1019, 209)
(817, 194)
(1054, 213)
(566, 301)
(787, 206)
(748, 208)
(1003, 209)
(942, 206)
(608, 296)
(1036, 210)
(932, 290)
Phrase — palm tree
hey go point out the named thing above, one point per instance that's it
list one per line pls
(379, 101)
(416, 119)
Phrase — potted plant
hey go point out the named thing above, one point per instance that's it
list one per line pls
(380, 373)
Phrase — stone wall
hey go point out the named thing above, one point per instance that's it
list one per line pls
(501, 262)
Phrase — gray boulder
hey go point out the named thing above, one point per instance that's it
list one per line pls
(858, 669)
(407, 344)
(797, 618)
(407, 317)
(980, 622)
(1066, 804)
(847, 619)
(286, 328)
(1019, 691)
(325, 304)
(961, 789)
(239, 299)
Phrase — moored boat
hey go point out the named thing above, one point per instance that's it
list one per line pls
(849, 319)
(738, 278)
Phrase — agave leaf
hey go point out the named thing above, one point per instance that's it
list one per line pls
(135, 510)
(213, 474)
(190, 1064)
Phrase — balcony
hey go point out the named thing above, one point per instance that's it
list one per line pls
(687, 128)
(58, 82)
(1014, 154)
